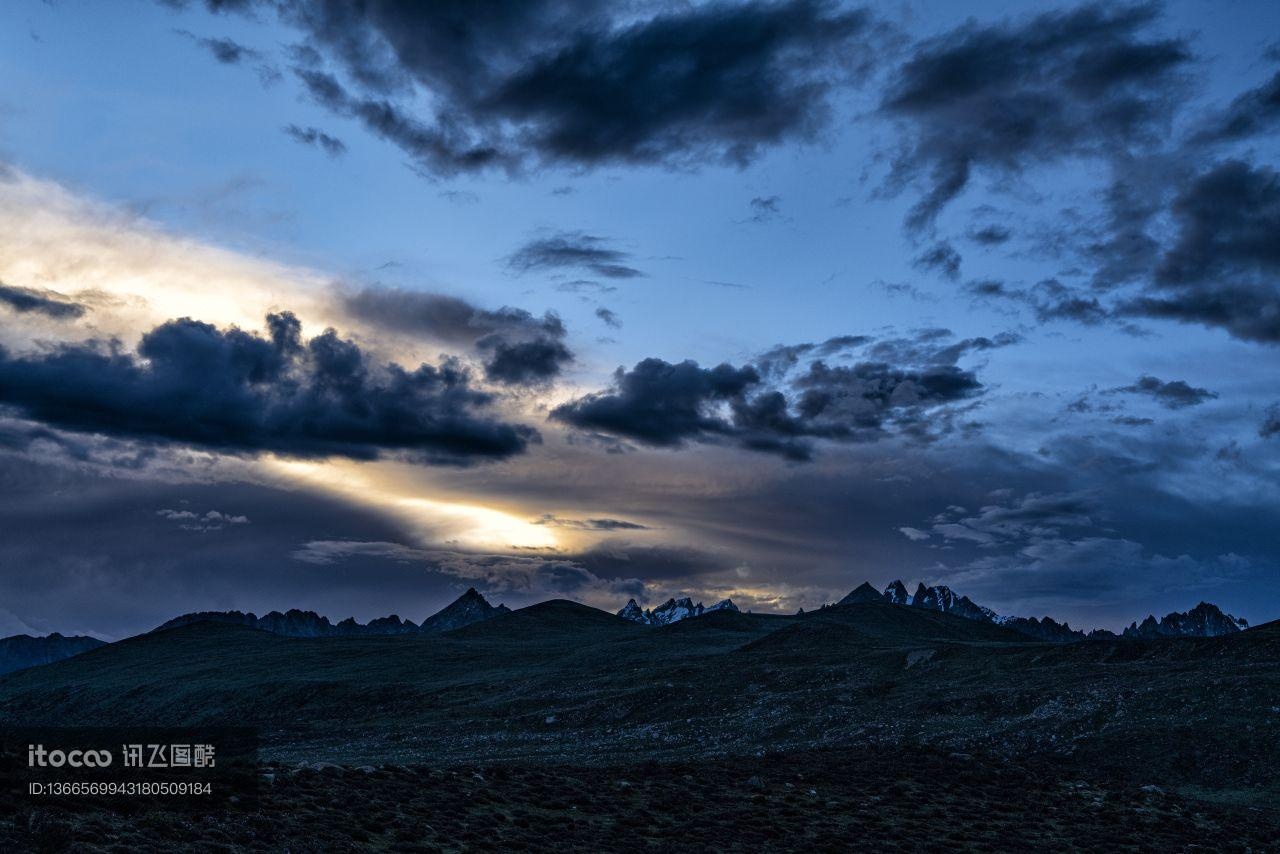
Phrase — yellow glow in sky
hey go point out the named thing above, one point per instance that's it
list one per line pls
(434, 522)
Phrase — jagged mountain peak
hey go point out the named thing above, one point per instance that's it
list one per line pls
(864, 592)
(633, 612)
(1204, 620)
(897, 594)
(470, 607)
(671, 611)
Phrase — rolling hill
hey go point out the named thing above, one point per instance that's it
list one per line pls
(563, 682)
(726, 721)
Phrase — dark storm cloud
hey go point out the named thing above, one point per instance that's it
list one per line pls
(568, 81)
(33, 301)
(1229, 222)
(523, 362)
(661, 404)
(317, 138)
(941, 257)
(1174, 394)
(1223, 267)
(573, 250)
(721, 81)
(771, 410)
(449, 319)
(858, 401)
(239, 392)
(518, 347)
(1003, 97)
(1254, 112)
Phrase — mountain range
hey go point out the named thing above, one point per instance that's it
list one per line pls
(1204, 620)
(671, 611)
(563, 682)
(784, 707)
(468, 608)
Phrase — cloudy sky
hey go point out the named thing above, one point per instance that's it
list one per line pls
(350, 306)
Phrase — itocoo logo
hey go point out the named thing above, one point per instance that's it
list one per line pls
(38, 757)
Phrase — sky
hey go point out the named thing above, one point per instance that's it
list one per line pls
(349, 307)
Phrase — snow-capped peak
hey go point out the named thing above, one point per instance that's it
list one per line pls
(671, 611)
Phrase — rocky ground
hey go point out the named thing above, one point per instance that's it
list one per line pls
(865, 800)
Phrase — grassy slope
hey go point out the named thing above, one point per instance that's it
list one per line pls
(561, 682)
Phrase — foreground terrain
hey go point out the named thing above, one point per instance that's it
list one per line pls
(873, 799)
(569, 725)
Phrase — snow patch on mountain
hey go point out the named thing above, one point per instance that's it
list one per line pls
(671, 611)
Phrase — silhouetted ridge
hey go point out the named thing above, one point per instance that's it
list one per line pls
(1204, 620)
(864, 592)
(557, 616)
(22, 651)
(671, 611)
(467, 609)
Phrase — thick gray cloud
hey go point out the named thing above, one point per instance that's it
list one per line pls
(518, 348)
(668, 405)
(523, 362)
(1223, 267)
(567, 81)
(1252, 113)
(449, 319)
(662, 404)
(1004, 97)
(239, 392)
